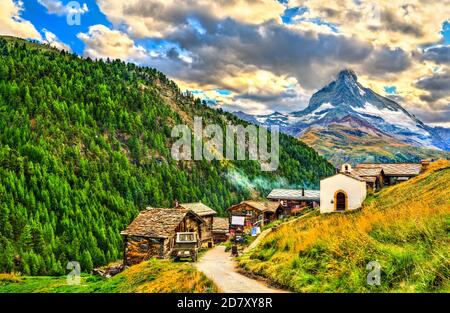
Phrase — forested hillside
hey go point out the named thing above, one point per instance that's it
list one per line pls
(85, 145)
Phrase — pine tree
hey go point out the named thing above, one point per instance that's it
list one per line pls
(7, 253)
(86, 262)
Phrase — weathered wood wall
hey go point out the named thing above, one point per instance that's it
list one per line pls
(138, 249)
(206, 229)
(251, 214)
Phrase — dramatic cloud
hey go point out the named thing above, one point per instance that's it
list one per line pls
(437, 116)
(102, 42)
(438, 54)
(386, 60)
(438, 87)
(272, 60)
(157, 18)
(232, 48)
(12, 24)
(396, 23)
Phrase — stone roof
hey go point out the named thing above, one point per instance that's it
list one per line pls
(294, 194)
(199, 208)
(375, 171)
(394, 169)
(157, 222)
(262, 206)
(351, 175)
(221, 225)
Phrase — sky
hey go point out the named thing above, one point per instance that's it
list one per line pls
(259, 56)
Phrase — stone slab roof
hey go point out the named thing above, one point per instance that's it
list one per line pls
(294, 194)
(394, 169)
(157, 222)
(376, 171)
(221, 225)
(199, 208)
(262, 206)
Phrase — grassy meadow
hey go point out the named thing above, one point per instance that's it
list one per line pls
(153, 276)
(405, 228)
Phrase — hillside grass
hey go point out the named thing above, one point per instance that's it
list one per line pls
(406, 228)
(153, 276)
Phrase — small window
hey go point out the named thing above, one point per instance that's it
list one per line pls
(186, 237)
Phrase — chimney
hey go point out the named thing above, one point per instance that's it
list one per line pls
(303, 192)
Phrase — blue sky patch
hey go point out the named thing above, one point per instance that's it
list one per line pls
(390, 90)
(294, 15)
(291, 13)
(446, 32)
(223, 92)
(58, 25)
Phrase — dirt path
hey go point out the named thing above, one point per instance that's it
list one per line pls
(220, 267)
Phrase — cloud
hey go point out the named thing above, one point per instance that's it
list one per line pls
(102, 42)
(12, 24)
(396, 23)
(439, 54)
(157, 18)
(231, 48)
(387, 60)
(245, 47)
(437, 85)
(53, 40)
(436, 117)
(58, 8)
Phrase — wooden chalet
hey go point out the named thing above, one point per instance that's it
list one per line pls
(256, 213)
(153, 232)
(221, 229)
(388, 173)
(295, 200)
(207, 214)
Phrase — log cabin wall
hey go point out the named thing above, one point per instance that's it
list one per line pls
(251, 214)
(138, 249)
(206, 229)
(189, 224)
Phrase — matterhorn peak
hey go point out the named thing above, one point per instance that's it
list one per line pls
(347, 75)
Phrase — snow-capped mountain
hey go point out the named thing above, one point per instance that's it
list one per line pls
(347, 98)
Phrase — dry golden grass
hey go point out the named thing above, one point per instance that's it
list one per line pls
(164, 276)
(10, 278)
(414, 215)
(153, 276)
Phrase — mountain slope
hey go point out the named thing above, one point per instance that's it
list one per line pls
(346, 98)
(85, 145)
(405, 228)
(351, 140)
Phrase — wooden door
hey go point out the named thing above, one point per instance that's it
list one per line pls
(340, 201)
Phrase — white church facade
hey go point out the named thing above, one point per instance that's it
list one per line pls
(342, 192)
